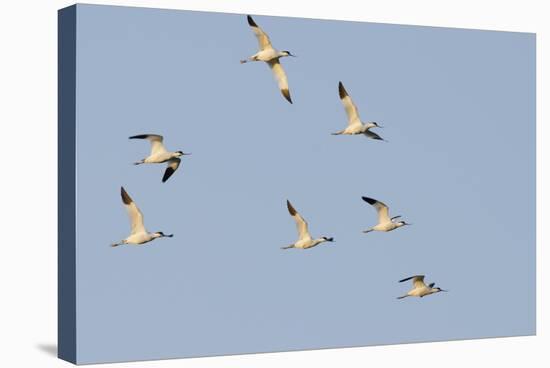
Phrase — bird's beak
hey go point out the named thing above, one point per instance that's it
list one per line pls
(186, 154)
(169, 235)
(446, 291)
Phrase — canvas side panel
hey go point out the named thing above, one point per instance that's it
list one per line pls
(66, 277)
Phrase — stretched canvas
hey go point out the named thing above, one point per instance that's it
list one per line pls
(254, 207)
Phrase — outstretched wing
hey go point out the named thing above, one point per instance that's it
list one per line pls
(280, 76)
(349, 106)
(263, 38)
(156, 142)
(381, 208)
(173, 165)
(372, 135)
(301, 224)
(136, 217)
(418, 281)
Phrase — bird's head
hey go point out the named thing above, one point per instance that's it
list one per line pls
(374, 124)
(160, 234)
(287, 53)
(438, 289)
(402, 223)
(326, 238)
(180, 153)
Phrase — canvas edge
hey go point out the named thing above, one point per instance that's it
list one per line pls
(66, 150)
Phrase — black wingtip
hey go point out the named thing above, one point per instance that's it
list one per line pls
(291, 209)
(251, 22)
(167, 174)
(125, 197)
(369, 200)
(341, 90)
(286, 94)
(139, 136)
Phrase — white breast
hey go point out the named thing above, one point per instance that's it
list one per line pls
(266, 55)
(139, 238)
(159, 158)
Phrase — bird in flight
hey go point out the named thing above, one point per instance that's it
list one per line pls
(355, 125)
(138, 235)
(271, 56)
(385, 223)
(159, 155)
(305, 240)
(420, 289)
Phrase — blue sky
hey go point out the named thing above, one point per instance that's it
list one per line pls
(458, 110)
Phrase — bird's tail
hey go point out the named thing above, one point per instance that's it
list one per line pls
(288, 247)
(116, 244)
(367, 231)
(338, 133)
(139, 162)
(252, 58)
(402, 297)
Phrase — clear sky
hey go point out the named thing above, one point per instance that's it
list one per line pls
(458, 110)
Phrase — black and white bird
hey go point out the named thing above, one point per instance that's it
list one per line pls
(420, 289)
(271, 56)
(385, 223)
(305, 240)
(159, 155)
(138, 235)
(355, 125)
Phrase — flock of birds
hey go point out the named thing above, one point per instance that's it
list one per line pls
(159, 154)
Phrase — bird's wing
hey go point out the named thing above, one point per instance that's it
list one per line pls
(301, 224)
(372, 135)
(280, 76)
(263, 38)
(381, 208)
(418, 281)
(173, 165)
(156, 142)
(136, 217)
(349, 106)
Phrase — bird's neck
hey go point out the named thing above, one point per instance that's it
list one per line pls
(319, 241)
